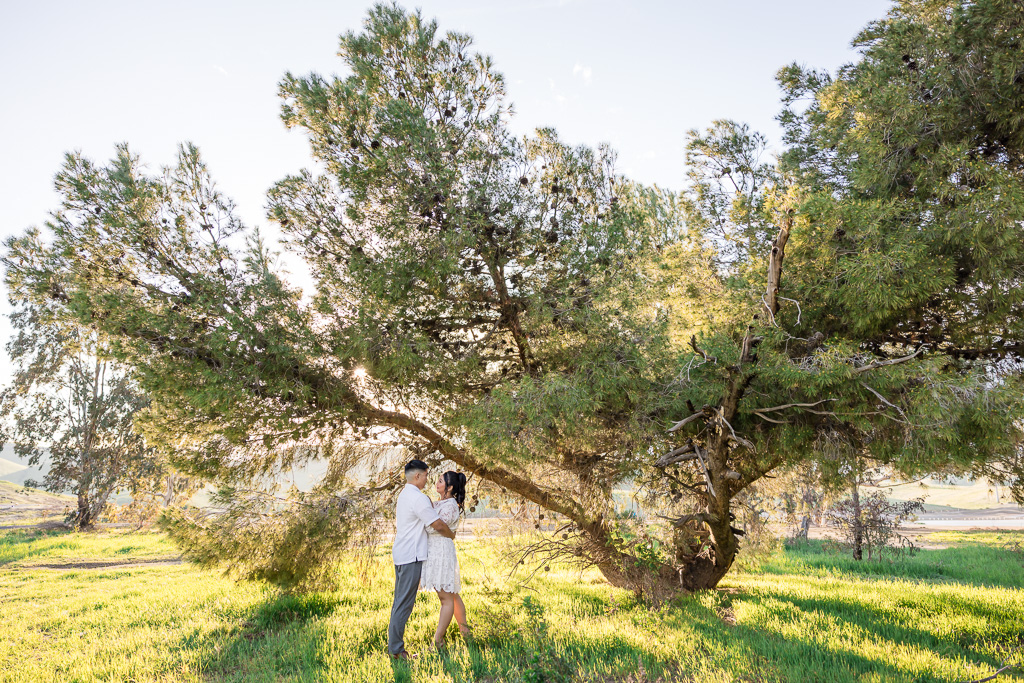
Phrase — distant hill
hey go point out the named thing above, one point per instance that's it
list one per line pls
(8, 468)
(19, 504)
(954, 494)
(14, 494)
(17, 470)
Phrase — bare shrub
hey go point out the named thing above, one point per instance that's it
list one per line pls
(871, 523)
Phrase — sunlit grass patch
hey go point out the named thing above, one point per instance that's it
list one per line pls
(977, 559)
(807, 616)
(41, 545)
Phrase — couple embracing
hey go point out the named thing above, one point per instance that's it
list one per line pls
(424, 553)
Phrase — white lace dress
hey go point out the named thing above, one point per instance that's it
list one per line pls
(441, 568)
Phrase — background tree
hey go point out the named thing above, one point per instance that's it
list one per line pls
(70, 403)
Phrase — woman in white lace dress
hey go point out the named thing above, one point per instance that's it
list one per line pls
(441, 569)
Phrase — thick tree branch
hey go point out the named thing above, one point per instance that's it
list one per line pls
(778, 253)
(685, 421)
(497, 475)
(678, 455)
(698, 350)
(680, 522)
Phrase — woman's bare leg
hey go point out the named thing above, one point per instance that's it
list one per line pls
(445, 617)
(460, 615)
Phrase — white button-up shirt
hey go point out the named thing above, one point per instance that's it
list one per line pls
(413, 513)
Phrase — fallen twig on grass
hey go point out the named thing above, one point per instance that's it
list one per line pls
(992, 677)
(1005, 667)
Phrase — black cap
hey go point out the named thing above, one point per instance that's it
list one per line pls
(414, 465)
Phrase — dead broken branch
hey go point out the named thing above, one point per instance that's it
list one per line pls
(884, 363)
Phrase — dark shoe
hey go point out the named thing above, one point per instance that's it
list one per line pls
(403, 655)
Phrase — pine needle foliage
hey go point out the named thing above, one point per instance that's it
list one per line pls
(480, 299)
(887, 323)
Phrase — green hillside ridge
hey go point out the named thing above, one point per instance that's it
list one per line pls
(21, 505)
(16, 469)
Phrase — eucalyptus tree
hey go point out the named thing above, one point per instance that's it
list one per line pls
(68, 403)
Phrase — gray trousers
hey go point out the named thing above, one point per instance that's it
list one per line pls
(407, 582)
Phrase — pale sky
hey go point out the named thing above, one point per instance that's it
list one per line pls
(638, 75)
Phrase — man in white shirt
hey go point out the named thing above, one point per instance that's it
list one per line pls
(413, 514)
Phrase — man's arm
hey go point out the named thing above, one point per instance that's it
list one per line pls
(440, 527)
(429, 517)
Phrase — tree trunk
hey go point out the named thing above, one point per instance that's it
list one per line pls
(84, 517)
(704, 568)
(858, 522)
(692, 571)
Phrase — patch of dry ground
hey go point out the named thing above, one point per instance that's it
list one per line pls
(20, 505)
(77, 564)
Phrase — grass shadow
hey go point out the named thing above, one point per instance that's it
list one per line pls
(884, 624)
(766, 654)
(279, 639)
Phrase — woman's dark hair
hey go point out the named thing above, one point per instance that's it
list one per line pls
(456, 481)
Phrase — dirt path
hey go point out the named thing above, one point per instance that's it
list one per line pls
(75, 565)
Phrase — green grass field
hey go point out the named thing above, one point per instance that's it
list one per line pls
(114, 607)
